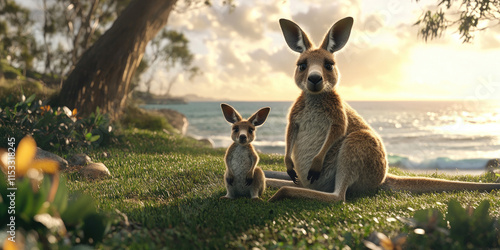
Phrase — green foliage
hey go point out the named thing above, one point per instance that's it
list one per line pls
(59, 129)
(81, 22)
(135, 117)
(459, 228)
(17, 42)
(62, 222)
(467, 16)
(12, 91)
(13, 78)
(170, 51)
(10, 72)
(433, 25)
(76, 21)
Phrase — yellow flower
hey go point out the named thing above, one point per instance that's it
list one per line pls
(9, 245)
(75, 112)
(45, 109)
(70, 114)
(25, 159)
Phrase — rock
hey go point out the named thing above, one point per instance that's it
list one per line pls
(207, 142)
(176, 119)
(492, 165)
(79, 160)
(42, 154)
(95, 171)
(105, 154)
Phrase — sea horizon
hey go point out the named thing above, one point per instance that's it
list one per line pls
(436, 134)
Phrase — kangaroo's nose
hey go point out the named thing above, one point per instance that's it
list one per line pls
(314, 78)
(243, 138)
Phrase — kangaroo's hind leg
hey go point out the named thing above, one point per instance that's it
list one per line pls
(361, 163)
(347, 167)
(259, 183)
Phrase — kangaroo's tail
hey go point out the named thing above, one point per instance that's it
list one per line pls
(277, 175)
(422, 184)
(279, 179)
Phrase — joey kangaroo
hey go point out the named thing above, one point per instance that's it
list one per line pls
(243, 177)
(329, 147)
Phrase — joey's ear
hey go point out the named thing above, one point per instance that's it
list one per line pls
(260, 116)
(338, 35)
(230, 113)
(296, 39)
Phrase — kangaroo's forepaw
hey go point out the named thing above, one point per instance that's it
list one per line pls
(293, 175)
(249, 181)
(313, 175)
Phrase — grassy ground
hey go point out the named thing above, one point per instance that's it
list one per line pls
(169, 188)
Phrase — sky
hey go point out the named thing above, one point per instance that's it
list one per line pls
(244, 57)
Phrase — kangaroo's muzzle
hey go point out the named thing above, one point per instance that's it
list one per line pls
(243, 138)
(314, 82)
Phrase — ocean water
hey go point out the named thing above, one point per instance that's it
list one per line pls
(416, 134)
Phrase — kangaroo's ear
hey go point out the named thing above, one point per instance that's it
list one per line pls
(296, 39)
(260, 116)
(230, 113)
(338, 35)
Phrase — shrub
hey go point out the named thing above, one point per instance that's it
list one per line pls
(54, 129)
(11, 91)
(34, 201)
(460, 228)
(135, 117)
(10, 72)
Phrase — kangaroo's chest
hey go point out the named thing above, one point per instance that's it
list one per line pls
(240, 161)
(313, 126)
(312, 121)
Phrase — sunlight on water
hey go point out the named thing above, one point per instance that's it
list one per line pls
(468, 124)
(425, 134)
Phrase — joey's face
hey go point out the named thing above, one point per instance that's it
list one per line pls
(243, 132)
(316, 71)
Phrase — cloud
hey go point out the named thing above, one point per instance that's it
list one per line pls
(245, 50)
(318, 19)
(489, 39)
(236, 50)
(373, 68)
(243, 54)
(281, 60)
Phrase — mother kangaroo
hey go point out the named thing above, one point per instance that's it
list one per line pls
(329, 147)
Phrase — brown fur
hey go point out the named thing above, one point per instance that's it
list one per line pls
(329, 147)
(242, 177)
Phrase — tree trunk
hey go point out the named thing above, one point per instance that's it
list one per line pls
(101, 78)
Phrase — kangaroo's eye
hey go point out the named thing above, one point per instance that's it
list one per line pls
(302, 66)
(250, 130)
(236, 129)
(328, 66)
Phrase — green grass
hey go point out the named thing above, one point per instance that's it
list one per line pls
(169, 188)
